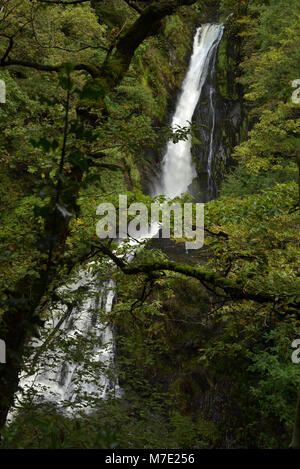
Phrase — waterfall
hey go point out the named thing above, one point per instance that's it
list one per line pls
(178, 170)
(58, 380)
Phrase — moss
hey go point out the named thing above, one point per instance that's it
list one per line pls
(114, 13)
(133, 172)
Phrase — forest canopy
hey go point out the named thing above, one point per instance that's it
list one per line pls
(204, 343)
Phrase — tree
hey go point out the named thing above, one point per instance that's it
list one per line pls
(24, 300)
(251, 270)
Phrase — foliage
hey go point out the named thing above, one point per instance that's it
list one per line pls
(198, 367)
(240, 182)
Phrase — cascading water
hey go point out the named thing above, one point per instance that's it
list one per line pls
(178, 170)
(61, 377)
(58, 381)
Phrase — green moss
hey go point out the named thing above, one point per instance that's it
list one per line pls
(115, 13)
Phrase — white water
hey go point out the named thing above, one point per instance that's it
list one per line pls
(57, 382)
(60, 379)
(178, 170)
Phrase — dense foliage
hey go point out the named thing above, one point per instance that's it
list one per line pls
(203, 349)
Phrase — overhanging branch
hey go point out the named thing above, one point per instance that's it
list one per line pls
(147, 24)
(116, 65)
(133, 4)
(91, 69)
(234, 289)
(60, 2)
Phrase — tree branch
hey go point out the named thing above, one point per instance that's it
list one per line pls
(91, 69)
(60, 2)
(134, 5)
(147, 24)
(235, 289)
(116, 65)
(131, 3)
(9, 48)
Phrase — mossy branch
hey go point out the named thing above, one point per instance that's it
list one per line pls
(146, 25)
(91, 69)
(116, 65)
(235, 289)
